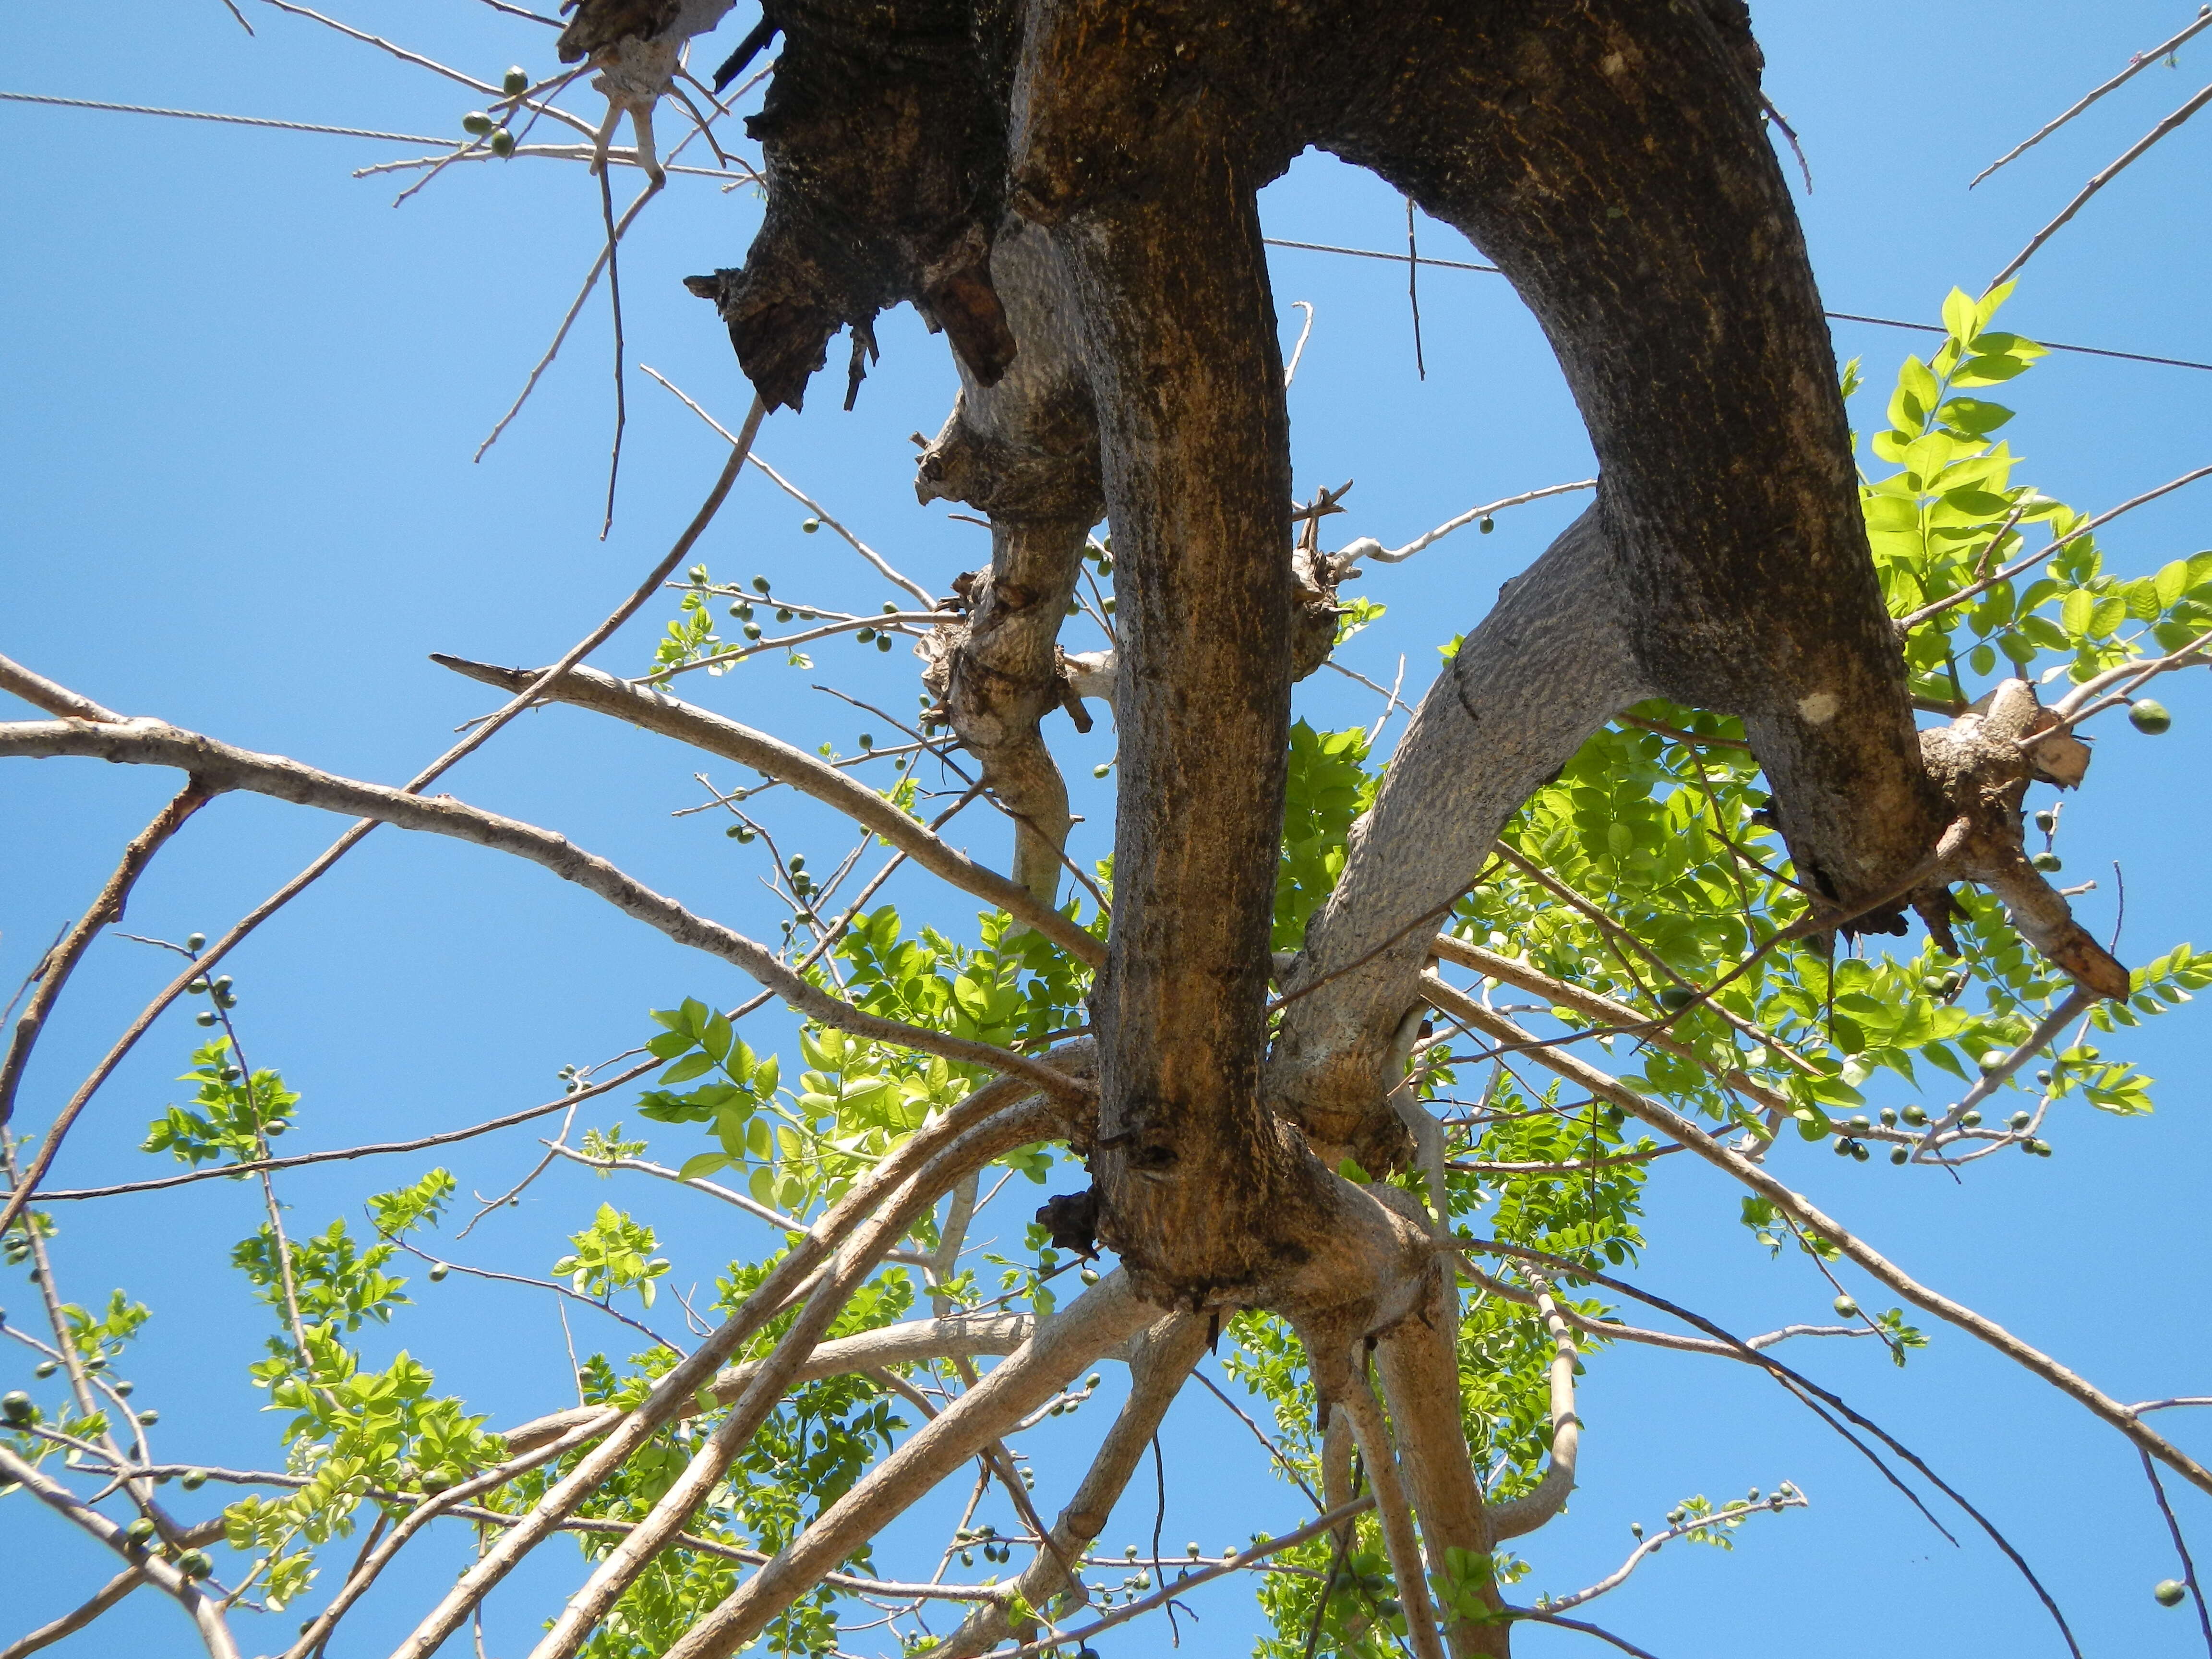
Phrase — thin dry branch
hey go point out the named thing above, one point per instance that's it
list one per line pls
(990, 1121)
(205, 1613)
(17, 677)
(77, 1617)
(656, 711)
(1368, 548)
(53, 973)
(1806, 1215)
(2136, 65)
(2097, 183)
(153, 743)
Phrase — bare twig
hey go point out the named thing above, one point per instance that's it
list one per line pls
(53, 972)
(346, 842)
(2136, 65)
(1906, 623)
(2103, 178)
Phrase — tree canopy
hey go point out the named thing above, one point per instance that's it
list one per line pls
(1337, 1082)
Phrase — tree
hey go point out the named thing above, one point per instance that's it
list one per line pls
(1662, 787)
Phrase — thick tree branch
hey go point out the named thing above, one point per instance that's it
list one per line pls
(911, 1180)
(206, 1613)
(1025, 452)
(1518, 1516)
(1164, 1357)
(1098, 1320)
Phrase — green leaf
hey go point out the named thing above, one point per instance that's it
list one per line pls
(701, 1165)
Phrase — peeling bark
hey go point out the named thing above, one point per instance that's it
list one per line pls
(1025, 450)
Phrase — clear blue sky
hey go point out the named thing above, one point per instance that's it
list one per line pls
(243, 394)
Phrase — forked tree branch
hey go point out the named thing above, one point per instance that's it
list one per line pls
(968, 1135)
(205, 1613)
(1163, 1358)
(1100, 1319)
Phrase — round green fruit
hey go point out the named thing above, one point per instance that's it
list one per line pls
(148, 1418)
(883, 641)
(1971, 1120)
(1915, 1115)
(2169, 1592)
(205, 1017)
(502, 144)
(193, 1480)
(195, 1564)
(1994, 1060)
(810, 526)
(477, 122)
(438, 1271)
(2046, 821)
(2048, 861)
(2149, 717)
(1487, 524)
(196, 943)
(15, 1406)
(1898, 1155)
(139, 1530)
(1845, 1308)
(517, 81)
(1675, 998)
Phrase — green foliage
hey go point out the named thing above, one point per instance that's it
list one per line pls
(1952, 516)
(229, 1117)
(1327, 786)
(613, 1254)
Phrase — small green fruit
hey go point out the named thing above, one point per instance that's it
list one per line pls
(1889, 1117)
(193, 1480)
(1971, 1120)
(2040, 1148)
(1845, 1308)
(45, 1368)
(1859, 1152)
(783, 616)
(1675, 998)
(1915, 1115)
(2169, 1592)
(2149, 717)
(194, 1564)
(810, 526)
(196, 943)
(15, 1406)
(864, 635)
(438, 1271)
(1843, 1146)
(148, 1418)
(2021, 1120)
(139, 1531)
(2048, 861)
(1898, 1155)
(125, 1387)
(517, 81)
(205, 1017)
(502, 144)
(477, 122)
(2046, 821)
(1994, 1060)
(1089, 1275)
(883, 641)
(1487, 524)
